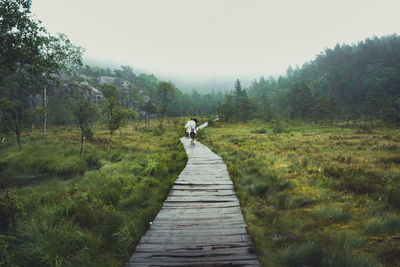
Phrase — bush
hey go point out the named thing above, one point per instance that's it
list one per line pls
(364, 129)
(258, 131)
(383, 226)
(392, 194)
(307, 254)
(89, 133)
(67, 166)
(395, 159)
(159, 130)
(85, 216)
(277, 126)
(10, 206)
(329, 214)
(6, 256)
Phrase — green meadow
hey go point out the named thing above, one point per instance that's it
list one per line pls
(94, 208)
(311, 195)
(315, 195)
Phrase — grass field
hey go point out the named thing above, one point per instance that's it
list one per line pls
(315, 195)
(97, 217)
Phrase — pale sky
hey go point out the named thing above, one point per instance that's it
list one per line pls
(187, 38)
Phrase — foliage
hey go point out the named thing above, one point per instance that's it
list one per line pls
(350, 82)
(164, 92)
(237, 106)
(99, 217)
(112, 110)
(29, 57)
(315, 195)
(10, 206)
(84, 113)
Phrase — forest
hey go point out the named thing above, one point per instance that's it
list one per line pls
(88, 154)
(356, 83)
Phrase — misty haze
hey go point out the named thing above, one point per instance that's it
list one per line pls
(187, 133)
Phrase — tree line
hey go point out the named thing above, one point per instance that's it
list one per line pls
(349, 83)
(43, 80)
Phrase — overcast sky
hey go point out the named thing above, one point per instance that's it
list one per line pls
(187, 38)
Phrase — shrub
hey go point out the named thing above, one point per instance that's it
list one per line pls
(85, 216)
(89, 133)
(91, 158)
(258, 189)
(307, 254)
(390, 159)
(10, 206)
(302, 202)
(258, 131)
(159, 130)
(331, 214)
(6, 256)
(364, 129)
(380, 226)
(392, 194)
(67, 166)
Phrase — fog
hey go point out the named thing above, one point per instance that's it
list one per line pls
(220, 40)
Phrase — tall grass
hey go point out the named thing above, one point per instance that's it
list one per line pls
(315, 195)
(93, 219)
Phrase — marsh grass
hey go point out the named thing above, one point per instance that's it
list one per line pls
(315, 195)
(95, 218)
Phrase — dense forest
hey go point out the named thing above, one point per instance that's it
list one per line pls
(349, 82)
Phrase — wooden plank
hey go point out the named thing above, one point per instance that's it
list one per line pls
(198, 205)
(203, 259)
(191, 247)
(189, 187)
(200, 223)
(195, 239)
(194, 232)
(206, 210)
(176, 217)
(195, 253)
(204, 263)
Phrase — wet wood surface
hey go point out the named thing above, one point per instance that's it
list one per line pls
(200, 223)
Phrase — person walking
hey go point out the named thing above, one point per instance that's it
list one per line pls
(192, 129)
(187, 129)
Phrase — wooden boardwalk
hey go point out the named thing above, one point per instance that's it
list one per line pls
(200, 223)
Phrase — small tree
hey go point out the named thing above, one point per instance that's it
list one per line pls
(115, 115)
(58, 54)
(149, 108)
(29, 57)
(15, 117)
(242, 103)
(332, 110)
(17, 111)
(84, 112)
(164, 91)
(227, 109)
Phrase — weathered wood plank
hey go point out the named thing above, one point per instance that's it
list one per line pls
(195, 232)
(180, 259)
(208, 263)
(200, 223)
(194, 239)
(190, 187)
(192, 247)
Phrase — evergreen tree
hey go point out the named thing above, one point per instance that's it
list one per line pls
(227, 109)
(164, 92)
(242, 103)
